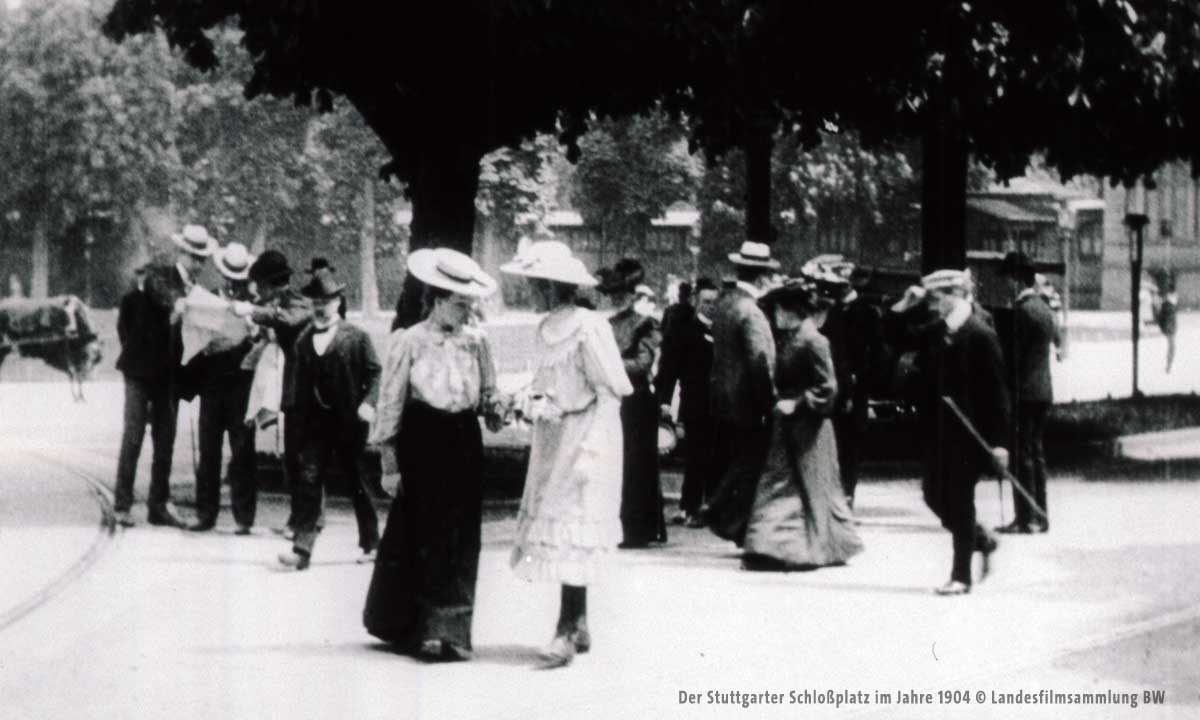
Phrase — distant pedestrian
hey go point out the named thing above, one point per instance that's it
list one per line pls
(800, 518)
(332, 396)
(1168, 323)
(637, 335)
(686, 362)
(958, 358)
(570, 516)
(680, 310)
(1034, 330)
(742, 390)
(438, 377)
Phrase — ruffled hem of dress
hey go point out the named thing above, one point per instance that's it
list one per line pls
(568, 535)
(571, 566)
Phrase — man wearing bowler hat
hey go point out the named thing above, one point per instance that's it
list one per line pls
(283, 311)
(331, 395)
(1028, 352)
(151, 350)
(742, 390)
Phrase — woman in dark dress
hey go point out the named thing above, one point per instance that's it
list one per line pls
(642, 517)
(437, 378)
(800, 518)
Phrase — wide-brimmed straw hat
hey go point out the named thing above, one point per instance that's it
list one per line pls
(195, 239)
(450, 270)
(234, 261)
(754, 254)
(323, 286)
(549, 260)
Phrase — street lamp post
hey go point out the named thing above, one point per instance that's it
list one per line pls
(1136, 223)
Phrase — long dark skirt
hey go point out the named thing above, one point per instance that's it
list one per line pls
(423, 587)
(641, 493)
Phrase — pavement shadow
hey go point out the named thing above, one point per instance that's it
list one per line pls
(518, 655)
(312, 649)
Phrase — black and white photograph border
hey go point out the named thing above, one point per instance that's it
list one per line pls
(850, 302)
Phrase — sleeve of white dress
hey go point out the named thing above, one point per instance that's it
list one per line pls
(393, 389)
(602, 363)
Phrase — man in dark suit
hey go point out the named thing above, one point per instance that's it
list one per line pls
(148, 327)
(958, 357)
(1034, 330)
(686, 360)
(285, 312)
(224, 390)
(679, 311)
(331, 395)
(742, 390)
(853, 328)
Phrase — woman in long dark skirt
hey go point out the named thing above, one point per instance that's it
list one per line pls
(438, 377)
(643, 519)
(800, 517)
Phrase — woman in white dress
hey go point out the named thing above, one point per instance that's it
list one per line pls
(569, 521)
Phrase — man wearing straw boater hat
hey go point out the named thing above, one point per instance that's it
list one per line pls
(963, 409)
(285, 313)
(331, 396)
(224, 392)
(151, 348)
(742, 390)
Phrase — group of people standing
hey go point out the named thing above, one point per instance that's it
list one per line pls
(773, 398)
(325, 392)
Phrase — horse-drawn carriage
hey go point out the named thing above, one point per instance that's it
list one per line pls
(56, 330)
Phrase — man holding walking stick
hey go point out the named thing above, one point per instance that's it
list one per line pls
(958, 359)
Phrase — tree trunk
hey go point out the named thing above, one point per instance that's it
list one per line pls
(366, 251)
(757, 147)
(259, 243)
(445, 180)
(39, 281)
(944, 193)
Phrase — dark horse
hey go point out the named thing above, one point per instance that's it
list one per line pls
(57, 330)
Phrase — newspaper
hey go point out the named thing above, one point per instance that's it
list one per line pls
(207, 318)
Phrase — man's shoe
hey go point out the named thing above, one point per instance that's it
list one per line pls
(368, 557)
(124, 519)
(695, 521)
(165, 518)
(202, 525)
(243, 530)
(294, 560)
(679, 518)
(287, 532)
(1015, 528)
(1041, 527)
(954, 587)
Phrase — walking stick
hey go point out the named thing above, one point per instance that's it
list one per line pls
(983, 445)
